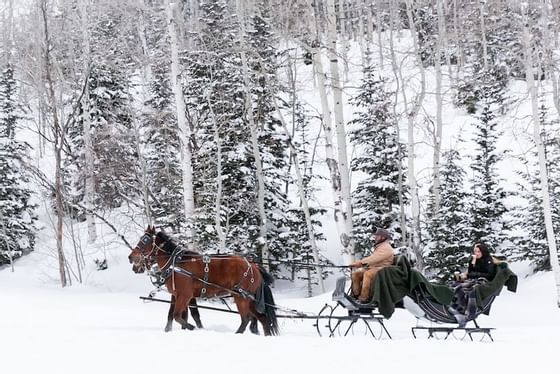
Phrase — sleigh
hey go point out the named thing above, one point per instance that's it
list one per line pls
(448, 309)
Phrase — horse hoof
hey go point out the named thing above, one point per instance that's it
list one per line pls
(167, 328)
(188, 326)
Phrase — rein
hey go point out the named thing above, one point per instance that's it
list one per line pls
(304, 264)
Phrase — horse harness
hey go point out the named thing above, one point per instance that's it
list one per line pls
(158, 276)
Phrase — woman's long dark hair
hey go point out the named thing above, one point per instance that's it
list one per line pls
(483, 249)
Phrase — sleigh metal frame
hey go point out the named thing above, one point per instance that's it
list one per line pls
(330, 324)
(444, 318)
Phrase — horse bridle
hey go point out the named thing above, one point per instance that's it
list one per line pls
(144, 240)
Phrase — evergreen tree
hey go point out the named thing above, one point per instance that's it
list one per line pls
(272, 140)
(215, 102)
(532, 244)
(111, 123)
(162, 151)
(488, 209)
(17, 213)
(375, 135)
(449, 243)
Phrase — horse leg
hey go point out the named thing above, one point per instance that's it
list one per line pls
(261, 318)
(180, 312)
(266, 327)
(195, 313)
(243, 309)
(254, 326)
(169, 324)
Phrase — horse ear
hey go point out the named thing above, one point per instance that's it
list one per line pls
(151, 229)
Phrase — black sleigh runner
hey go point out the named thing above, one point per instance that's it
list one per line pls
(447, 308)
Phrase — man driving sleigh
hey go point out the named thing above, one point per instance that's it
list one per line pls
(368, 267)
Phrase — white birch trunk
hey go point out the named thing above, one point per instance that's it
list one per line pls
(398, 79)
(184, 129)
(532, 90)
(550, 43)
(145, 76)
(346, 209)
(329, 148)
(411, 116)
(265, 255)
(439, 109)
(222, 234)
(220, 231)
(58, 134)
(9, 42)
(304, 203)
(363, 39)
(483, 35)
(88, 136)
(343, 33)
(458, 30)
(379, 32)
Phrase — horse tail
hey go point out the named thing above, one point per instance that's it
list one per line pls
(265, 302)
(270, 310)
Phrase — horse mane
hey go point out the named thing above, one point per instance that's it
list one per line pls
(169, 246)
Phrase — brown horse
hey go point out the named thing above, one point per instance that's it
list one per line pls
(190, 275)
(140, 268)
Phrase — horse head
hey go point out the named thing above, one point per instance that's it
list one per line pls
(143, 252)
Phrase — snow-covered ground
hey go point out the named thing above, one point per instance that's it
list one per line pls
(104, 327)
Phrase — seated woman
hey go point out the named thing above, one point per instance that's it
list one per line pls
(481, 264)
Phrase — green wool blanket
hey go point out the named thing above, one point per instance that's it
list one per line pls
(395, 282)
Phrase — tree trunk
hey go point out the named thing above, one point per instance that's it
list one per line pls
(145, 76)
(439, 109)
(346, 208)
(222, 234)
(411, 116)
(483, 36)
(88, 136)
(532, 90)
(329, 151)
(398, 77)
(184, 129)
(378, 29)
(58, 133)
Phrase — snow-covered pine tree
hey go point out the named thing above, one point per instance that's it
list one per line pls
(115, 158)
(17, 213)
(488, 210)
(162, 146)
(272, 139)
(215, 103)
(502, 63)
(532, 243)
(373, 131)
(449, 241)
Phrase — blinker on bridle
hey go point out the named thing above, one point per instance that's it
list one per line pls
(144, 240)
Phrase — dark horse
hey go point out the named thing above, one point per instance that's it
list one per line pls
(190, 275)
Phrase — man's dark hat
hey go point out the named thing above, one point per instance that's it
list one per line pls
(382, 232)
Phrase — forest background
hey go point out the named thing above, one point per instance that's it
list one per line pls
(288, 129)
